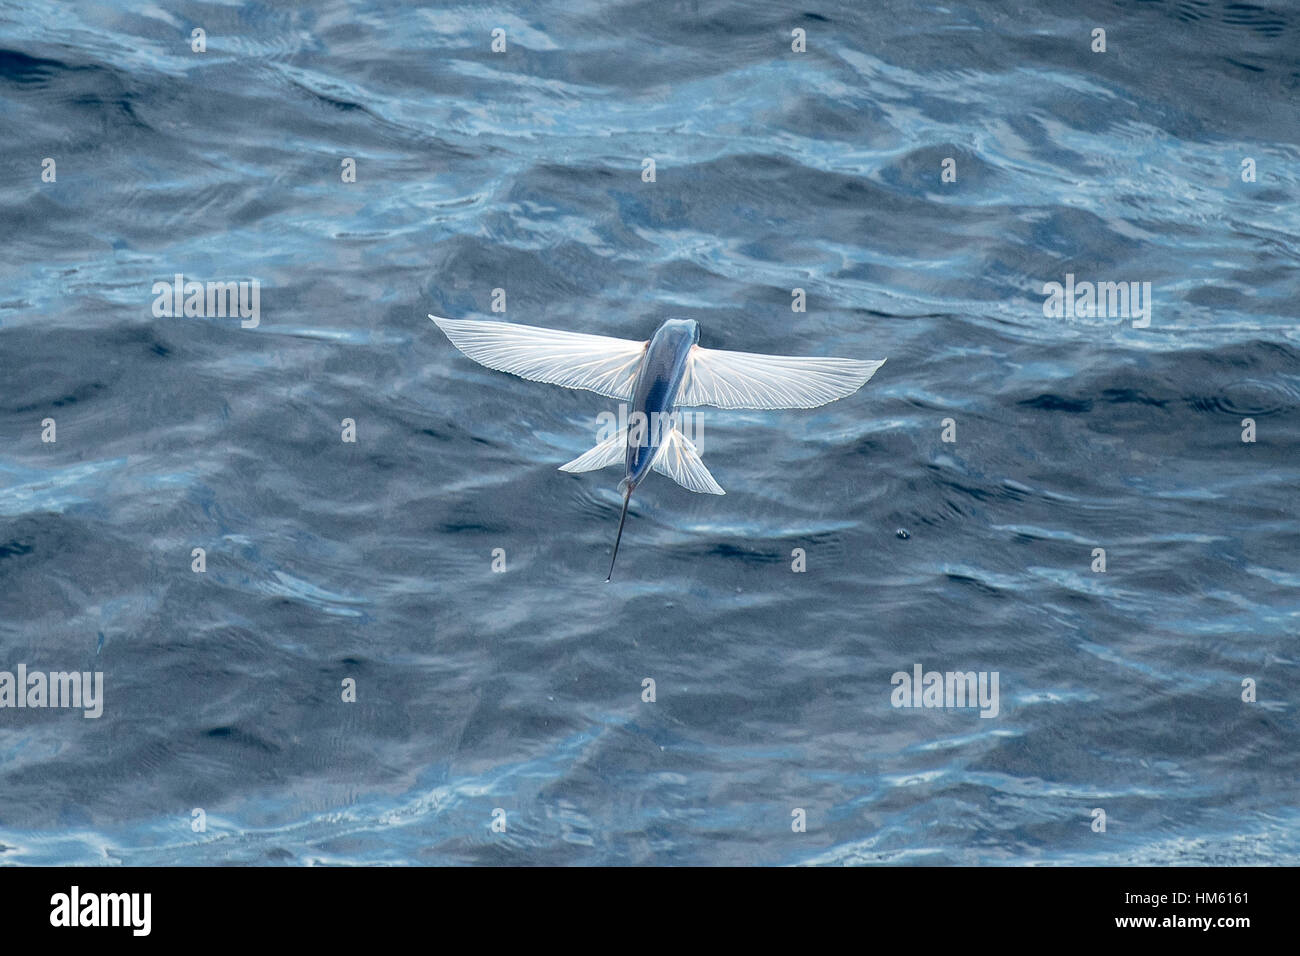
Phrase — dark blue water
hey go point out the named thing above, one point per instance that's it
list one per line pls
(372, 561)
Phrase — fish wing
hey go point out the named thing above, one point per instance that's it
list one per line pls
(598, 363)
(749, 380)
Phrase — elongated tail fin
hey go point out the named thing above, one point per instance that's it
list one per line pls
(627, 494)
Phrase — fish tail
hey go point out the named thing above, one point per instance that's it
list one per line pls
(626, 487)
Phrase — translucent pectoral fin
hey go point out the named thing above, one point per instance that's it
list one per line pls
(749, 380)
(679, 460)
(608, 452)
(597, 363)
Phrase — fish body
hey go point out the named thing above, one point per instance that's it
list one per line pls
(654, 396)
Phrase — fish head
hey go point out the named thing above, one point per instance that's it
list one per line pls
(679, 332)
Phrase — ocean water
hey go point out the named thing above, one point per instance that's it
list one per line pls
(517, 695)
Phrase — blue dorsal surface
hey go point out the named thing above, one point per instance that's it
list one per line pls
(655, 395)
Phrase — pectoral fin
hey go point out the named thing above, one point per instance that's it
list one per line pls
(597, 363)
(749, 380)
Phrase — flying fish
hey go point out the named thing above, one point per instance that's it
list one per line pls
(655, 377)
